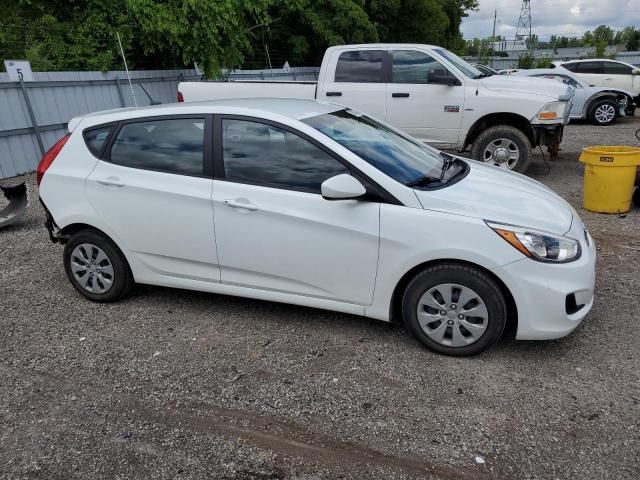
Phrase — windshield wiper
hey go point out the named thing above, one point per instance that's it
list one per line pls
(423, 181)
(449, 160)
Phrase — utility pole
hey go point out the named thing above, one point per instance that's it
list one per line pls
(524, 22)
(493, 36)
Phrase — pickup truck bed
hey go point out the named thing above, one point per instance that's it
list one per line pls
(239, 89)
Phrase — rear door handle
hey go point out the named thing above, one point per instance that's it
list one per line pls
(334, 94)
(400, 95)
(111, 182)
(242, 203)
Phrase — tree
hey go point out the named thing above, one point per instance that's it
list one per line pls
(81, 34)
(603, 34)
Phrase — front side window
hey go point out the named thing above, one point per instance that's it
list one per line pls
(361, 66)
(400, 157)
(170, 145)
(615, 68)
(261, 154)
(410, 66)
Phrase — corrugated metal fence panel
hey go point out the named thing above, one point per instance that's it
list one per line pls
(56, 103)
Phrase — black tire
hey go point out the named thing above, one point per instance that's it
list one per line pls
(600, 104)
(122, 279)
(496, 133)
(636, 197)
(466, 276)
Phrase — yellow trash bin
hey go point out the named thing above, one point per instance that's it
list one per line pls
(609, 174)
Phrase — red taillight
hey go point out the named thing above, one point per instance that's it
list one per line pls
(49, 157)
(180, 97)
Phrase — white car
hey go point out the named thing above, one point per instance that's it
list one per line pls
(311, 203)
(606, 73)
(600, 105)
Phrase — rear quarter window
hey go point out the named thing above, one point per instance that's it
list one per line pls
(96, 138)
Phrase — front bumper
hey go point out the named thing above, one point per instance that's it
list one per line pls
(552, 299)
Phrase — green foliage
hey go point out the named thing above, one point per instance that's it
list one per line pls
(216, 34)
(526, 61)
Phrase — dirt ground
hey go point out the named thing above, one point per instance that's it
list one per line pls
(170, 384)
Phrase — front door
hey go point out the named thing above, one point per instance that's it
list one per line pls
(154, 195)
(430, 112)
(274, 230)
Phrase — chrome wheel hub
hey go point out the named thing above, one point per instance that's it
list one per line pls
(92, 268)
(452, 315)
(605, 113)
(502, 152)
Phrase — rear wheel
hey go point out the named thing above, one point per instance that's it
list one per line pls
(503, 146)
(96, 267)
(454, 309)
(604, 113)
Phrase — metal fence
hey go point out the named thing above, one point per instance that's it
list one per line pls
(33, 115)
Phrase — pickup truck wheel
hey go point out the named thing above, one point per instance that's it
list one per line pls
(454, 309)
(604, 113)
(503, 146)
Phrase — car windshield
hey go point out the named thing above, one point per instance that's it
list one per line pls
(466, 68)
(398, 156)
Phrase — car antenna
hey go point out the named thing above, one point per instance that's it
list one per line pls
(133, 94)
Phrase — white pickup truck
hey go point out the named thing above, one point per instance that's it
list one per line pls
(429, 93)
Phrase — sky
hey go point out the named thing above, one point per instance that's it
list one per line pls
(552, 17)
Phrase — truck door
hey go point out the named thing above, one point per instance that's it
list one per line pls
(417, 105)
(356, 79)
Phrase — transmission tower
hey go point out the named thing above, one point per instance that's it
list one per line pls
(524, 23)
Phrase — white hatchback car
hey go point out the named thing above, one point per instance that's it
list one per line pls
(310, 203)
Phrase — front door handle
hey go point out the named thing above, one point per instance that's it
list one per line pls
(242, 203)
(334, 94)
(111, 182)
(400, 95)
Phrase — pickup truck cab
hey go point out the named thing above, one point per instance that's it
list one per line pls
(429, 93)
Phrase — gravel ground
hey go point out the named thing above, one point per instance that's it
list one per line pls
(170, 384)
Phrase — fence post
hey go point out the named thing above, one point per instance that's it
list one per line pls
(32, 116)
(122, 104)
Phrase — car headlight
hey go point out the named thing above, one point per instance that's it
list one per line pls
(541, 246)
(552, 111)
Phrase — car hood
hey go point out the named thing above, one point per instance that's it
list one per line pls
(510, 83)
(495, 194)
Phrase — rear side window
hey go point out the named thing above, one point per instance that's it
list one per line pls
(169, 145)
(261, 154)
(590, 67)
(572, 67)
(96, 139)
(614, 68)
(361, 66)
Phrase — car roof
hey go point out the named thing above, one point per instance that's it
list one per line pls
(293, 108)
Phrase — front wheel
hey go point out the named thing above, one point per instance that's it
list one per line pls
(503, 146)
(454, 309)
(604, 113)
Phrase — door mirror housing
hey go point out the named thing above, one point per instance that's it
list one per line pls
(443, 77)
(342, 187)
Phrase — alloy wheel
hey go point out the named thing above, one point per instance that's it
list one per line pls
(605, 113)
(502, 152)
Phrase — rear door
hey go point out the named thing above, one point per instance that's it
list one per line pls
(618, 75)
(152, 188)
(591, 71)
(357, 79)
(428, 111)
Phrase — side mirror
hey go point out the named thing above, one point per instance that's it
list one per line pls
(342, 187)
(443, 77)
(635, 72)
